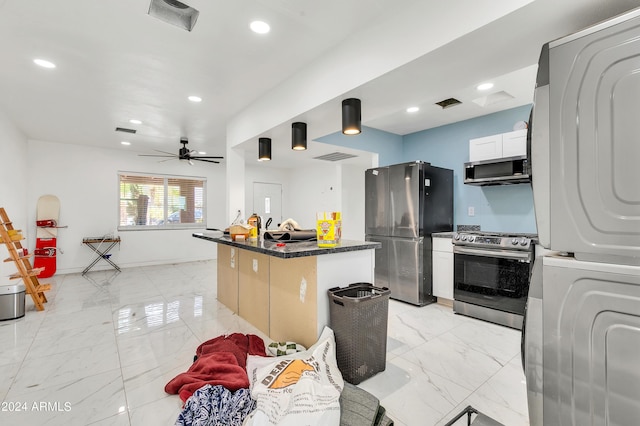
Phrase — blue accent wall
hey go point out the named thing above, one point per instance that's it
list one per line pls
(507, 208)
(387, 145)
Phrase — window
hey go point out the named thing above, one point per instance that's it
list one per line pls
(161, 202)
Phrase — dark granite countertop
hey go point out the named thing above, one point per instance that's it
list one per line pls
(291, 249)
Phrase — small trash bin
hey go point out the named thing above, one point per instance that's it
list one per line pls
(12, 301)
(358, 316)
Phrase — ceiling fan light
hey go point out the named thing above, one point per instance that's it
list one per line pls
(299, 136)
(264, 149)
(351, 116)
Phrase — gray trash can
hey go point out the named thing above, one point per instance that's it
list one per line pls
(12, 301)
(358, 317)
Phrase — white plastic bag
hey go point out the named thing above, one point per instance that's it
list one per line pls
(300, 389)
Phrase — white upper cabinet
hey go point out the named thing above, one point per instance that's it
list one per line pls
(498, 146)
(486, 148)
(514, 143)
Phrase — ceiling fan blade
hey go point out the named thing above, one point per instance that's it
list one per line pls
(168, 159)
(206, 156)
(157, 155)
(165, 152)
(208, 161)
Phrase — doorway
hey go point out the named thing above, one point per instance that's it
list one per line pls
(267, 203)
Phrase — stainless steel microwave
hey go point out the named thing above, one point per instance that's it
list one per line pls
(499, 171)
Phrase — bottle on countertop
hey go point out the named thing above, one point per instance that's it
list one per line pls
(255, 220)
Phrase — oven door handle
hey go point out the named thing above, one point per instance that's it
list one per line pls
(525, 256)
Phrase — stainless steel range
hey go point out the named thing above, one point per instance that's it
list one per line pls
(491, 275)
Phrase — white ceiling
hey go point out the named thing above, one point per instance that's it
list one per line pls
(115, 63)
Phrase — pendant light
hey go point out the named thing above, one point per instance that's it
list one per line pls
(299, 136)
(351, 116)
(264, 149)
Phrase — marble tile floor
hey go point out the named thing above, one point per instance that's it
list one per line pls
(108, 342)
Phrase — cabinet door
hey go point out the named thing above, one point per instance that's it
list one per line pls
(487, 148)
(514, 143)
(228, 277)
(293, 295)
(442, 244)
(253, 285)
(443, 274)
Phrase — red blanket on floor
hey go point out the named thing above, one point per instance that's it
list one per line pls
(220, 361)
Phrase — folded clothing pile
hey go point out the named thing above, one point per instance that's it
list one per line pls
(216, 391)
(220, 361)
(216, 406)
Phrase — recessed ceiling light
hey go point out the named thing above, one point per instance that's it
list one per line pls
(44, 63)
(413, 109)
(134, 121)
(259, 27)
(195, 98)
(125, 143)
(485, 86)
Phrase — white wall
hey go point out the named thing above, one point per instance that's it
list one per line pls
(85, 179)
(353, 195)
(13, 183)
(314, 190)
(324, 187)
(256, 173)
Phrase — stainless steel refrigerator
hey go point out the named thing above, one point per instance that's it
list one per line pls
(404, 204)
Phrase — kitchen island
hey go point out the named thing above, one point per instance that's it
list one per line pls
(281, 286)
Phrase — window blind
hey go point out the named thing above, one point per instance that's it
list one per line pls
(156, 201)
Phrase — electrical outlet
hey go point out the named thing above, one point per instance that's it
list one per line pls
(471, 211)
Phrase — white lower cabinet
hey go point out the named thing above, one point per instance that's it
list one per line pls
(442, 268)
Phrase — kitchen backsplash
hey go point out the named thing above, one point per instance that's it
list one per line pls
(466, 228)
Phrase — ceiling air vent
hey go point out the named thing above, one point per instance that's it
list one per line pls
(174, 12)
(447, 103)
(493, 98)
(335, 156)
(125, 130)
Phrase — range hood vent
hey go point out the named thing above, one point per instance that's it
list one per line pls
(335, 156)
(448, 103)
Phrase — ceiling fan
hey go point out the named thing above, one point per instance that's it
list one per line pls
(184, 153)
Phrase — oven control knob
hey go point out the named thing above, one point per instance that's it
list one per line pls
(524, 242)
(456, 236)
(514, 241)
(464, 238)
(471, 238)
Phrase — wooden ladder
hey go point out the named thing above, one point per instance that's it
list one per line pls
(11, 238)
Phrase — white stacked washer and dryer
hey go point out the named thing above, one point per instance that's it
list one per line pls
(582, 324)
